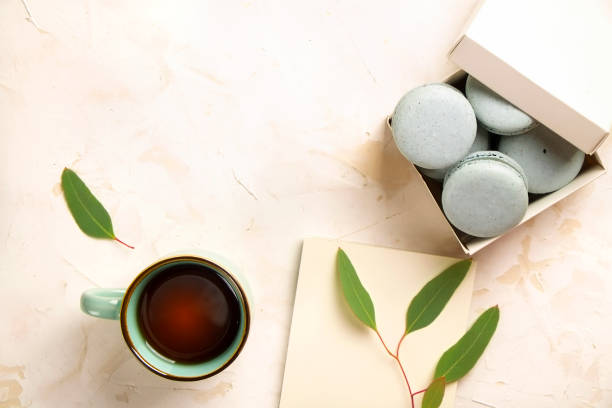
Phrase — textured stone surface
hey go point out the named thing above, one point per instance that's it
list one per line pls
(242, 127)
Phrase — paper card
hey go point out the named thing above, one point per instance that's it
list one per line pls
(334, 360)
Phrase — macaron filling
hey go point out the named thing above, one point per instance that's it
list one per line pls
(490, 155)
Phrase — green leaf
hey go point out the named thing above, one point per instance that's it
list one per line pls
(355, 294)
(87, 211)
(435, 393)
(427, 305)
(461, 357)
(89, 214)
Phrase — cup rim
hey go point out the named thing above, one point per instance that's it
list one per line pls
(145, 272)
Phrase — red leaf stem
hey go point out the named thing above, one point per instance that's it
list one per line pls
(121, 242)
(396, 358)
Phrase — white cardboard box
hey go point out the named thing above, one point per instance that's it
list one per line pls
(552, 60)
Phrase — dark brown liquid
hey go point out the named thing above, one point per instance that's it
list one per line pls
(189, 313)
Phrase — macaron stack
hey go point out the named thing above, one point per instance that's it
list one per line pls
(489, 154)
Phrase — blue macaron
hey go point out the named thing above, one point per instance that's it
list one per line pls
(549, 161)
(434, 126)
(481, 142)
(494, 112)
(485, 194)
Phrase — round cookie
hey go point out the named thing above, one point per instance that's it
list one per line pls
(481, 142)
(549, 161)
(434, 126)
(485, 194)
(494, 112)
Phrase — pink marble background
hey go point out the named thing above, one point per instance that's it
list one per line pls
(242, 127)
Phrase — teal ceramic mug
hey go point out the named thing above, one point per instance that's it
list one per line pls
(123, 305)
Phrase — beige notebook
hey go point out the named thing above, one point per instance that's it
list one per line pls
(333, 360)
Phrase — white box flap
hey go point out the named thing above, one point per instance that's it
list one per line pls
(550, 58)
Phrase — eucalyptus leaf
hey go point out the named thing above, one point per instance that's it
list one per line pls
(461, 357)
(435, 393)
(427, 305)
(355, 294)
(89, 214)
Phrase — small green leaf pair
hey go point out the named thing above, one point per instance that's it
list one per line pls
(89, 214)
(424, 308)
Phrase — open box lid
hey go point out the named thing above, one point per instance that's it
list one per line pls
(550, 58)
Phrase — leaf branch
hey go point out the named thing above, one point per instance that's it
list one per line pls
(424, 308)
(399, 363)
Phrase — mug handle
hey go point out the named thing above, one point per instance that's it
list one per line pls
(104, 303)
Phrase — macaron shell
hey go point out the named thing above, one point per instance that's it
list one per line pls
(493, 155)
(485, 195)
(481, 142)
(549, 161)
(494, 112)
(434, 126)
